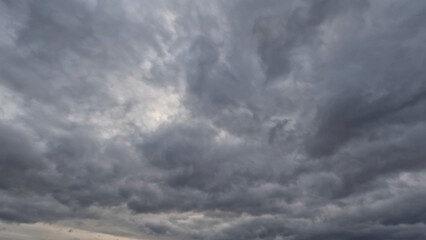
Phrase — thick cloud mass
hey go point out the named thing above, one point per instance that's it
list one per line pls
(295, 120)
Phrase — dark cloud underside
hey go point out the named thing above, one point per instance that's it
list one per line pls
(295, 120)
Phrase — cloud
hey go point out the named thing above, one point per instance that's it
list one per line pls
(295, 120)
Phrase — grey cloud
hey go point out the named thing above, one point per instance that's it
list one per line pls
(377, 62)
(54, 39)
(200, 172)
(275, 120)
(279, 36)
(19, 157)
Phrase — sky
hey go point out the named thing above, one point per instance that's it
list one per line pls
(212, 120)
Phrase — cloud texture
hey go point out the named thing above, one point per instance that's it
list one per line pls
(220, 120)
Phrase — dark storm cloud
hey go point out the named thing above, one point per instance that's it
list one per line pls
(201, 173)
(19, 156)
(278, 36)
(295, 120)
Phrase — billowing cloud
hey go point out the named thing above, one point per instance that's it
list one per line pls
(295, 120)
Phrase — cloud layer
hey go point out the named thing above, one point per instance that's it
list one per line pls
(295, 120)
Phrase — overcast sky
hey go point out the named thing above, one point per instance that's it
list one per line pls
(212, 120)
